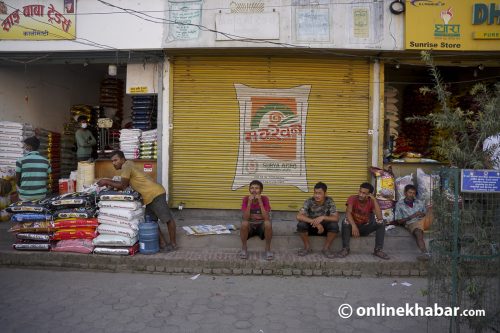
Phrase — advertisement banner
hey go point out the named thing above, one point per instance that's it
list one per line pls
(272, 136)
(452, 25)
(38, 19)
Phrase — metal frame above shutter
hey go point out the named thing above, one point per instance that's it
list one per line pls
(206, 126)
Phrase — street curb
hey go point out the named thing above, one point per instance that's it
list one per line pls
(217, 263)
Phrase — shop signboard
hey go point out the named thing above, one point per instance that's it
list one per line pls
(480, 181)
(452, 25)
(272, 136)
(38, 19)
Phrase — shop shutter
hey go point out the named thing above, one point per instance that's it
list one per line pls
(206, 126)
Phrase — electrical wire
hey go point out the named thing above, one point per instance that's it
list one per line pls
(78, 40)
(143, 15)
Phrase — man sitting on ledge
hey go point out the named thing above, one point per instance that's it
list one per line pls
(411, 213)
(319, 216)
(360, 221)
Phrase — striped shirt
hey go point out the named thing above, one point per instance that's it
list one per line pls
(34, 170)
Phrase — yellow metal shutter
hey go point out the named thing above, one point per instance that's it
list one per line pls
(206, 126)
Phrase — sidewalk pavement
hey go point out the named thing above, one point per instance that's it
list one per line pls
(47, 301)
(218, 254)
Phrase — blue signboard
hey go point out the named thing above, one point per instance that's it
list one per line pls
(480, 181)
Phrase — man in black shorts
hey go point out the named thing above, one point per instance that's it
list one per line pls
(256, 220)
(319, 216)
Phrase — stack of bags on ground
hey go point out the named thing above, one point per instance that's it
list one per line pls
(50, 148)
(74, 222)
(389, 190)
(12, 135)
(120, 213)
(32, 225)
(149, 145)
(130, 142)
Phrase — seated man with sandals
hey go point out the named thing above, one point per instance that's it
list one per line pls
(363, 216)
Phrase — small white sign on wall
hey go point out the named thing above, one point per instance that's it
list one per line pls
(365, 23)
(312, 24)
(142, 79)
(238, 26)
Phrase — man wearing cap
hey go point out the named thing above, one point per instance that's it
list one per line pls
(32, 171)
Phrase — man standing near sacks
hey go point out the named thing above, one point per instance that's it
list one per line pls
(153, 195)
(85, 141)
(32, 171)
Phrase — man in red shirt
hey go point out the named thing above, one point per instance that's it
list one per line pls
(256, 220)
(360, 221)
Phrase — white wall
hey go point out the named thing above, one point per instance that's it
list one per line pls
(115, 29)
(43, 95)
(111, 27)
(282, 16)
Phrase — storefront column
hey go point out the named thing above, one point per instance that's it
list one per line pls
(165, 123)
(376, 113)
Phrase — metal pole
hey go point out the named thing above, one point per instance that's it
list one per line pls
(455, 254)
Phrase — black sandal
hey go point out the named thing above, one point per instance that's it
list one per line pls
(381, 254)
(342, 253)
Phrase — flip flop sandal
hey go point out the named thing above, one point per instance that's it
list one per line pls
(328, 254)
(269, 255)
(243, 254)
(381, 254)
(304, 252)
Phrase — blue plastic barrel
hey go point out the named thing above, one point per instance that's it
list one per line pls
(148, 237)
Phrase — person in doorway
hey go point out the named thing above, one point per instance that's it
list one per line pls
(363, 216)
(256, 219)
(318, 216)
(32, 172)
(153, 195)
(85, 141)
(411, 213)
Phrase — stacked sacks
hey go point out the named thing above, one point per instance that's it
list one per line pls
(385, 192)
(68, 150)
(130, 142)
(50, 148)
(12, 135)
(120, 213)
(75, 235)
(33, 225)
(149, 145)
(111, 99)
(144, 112)
(74, 222)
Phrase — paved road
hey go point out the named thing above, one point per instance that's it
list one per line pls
(76, 301)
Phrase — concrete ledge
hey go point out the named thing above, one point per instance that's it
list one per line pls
(223, 262)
